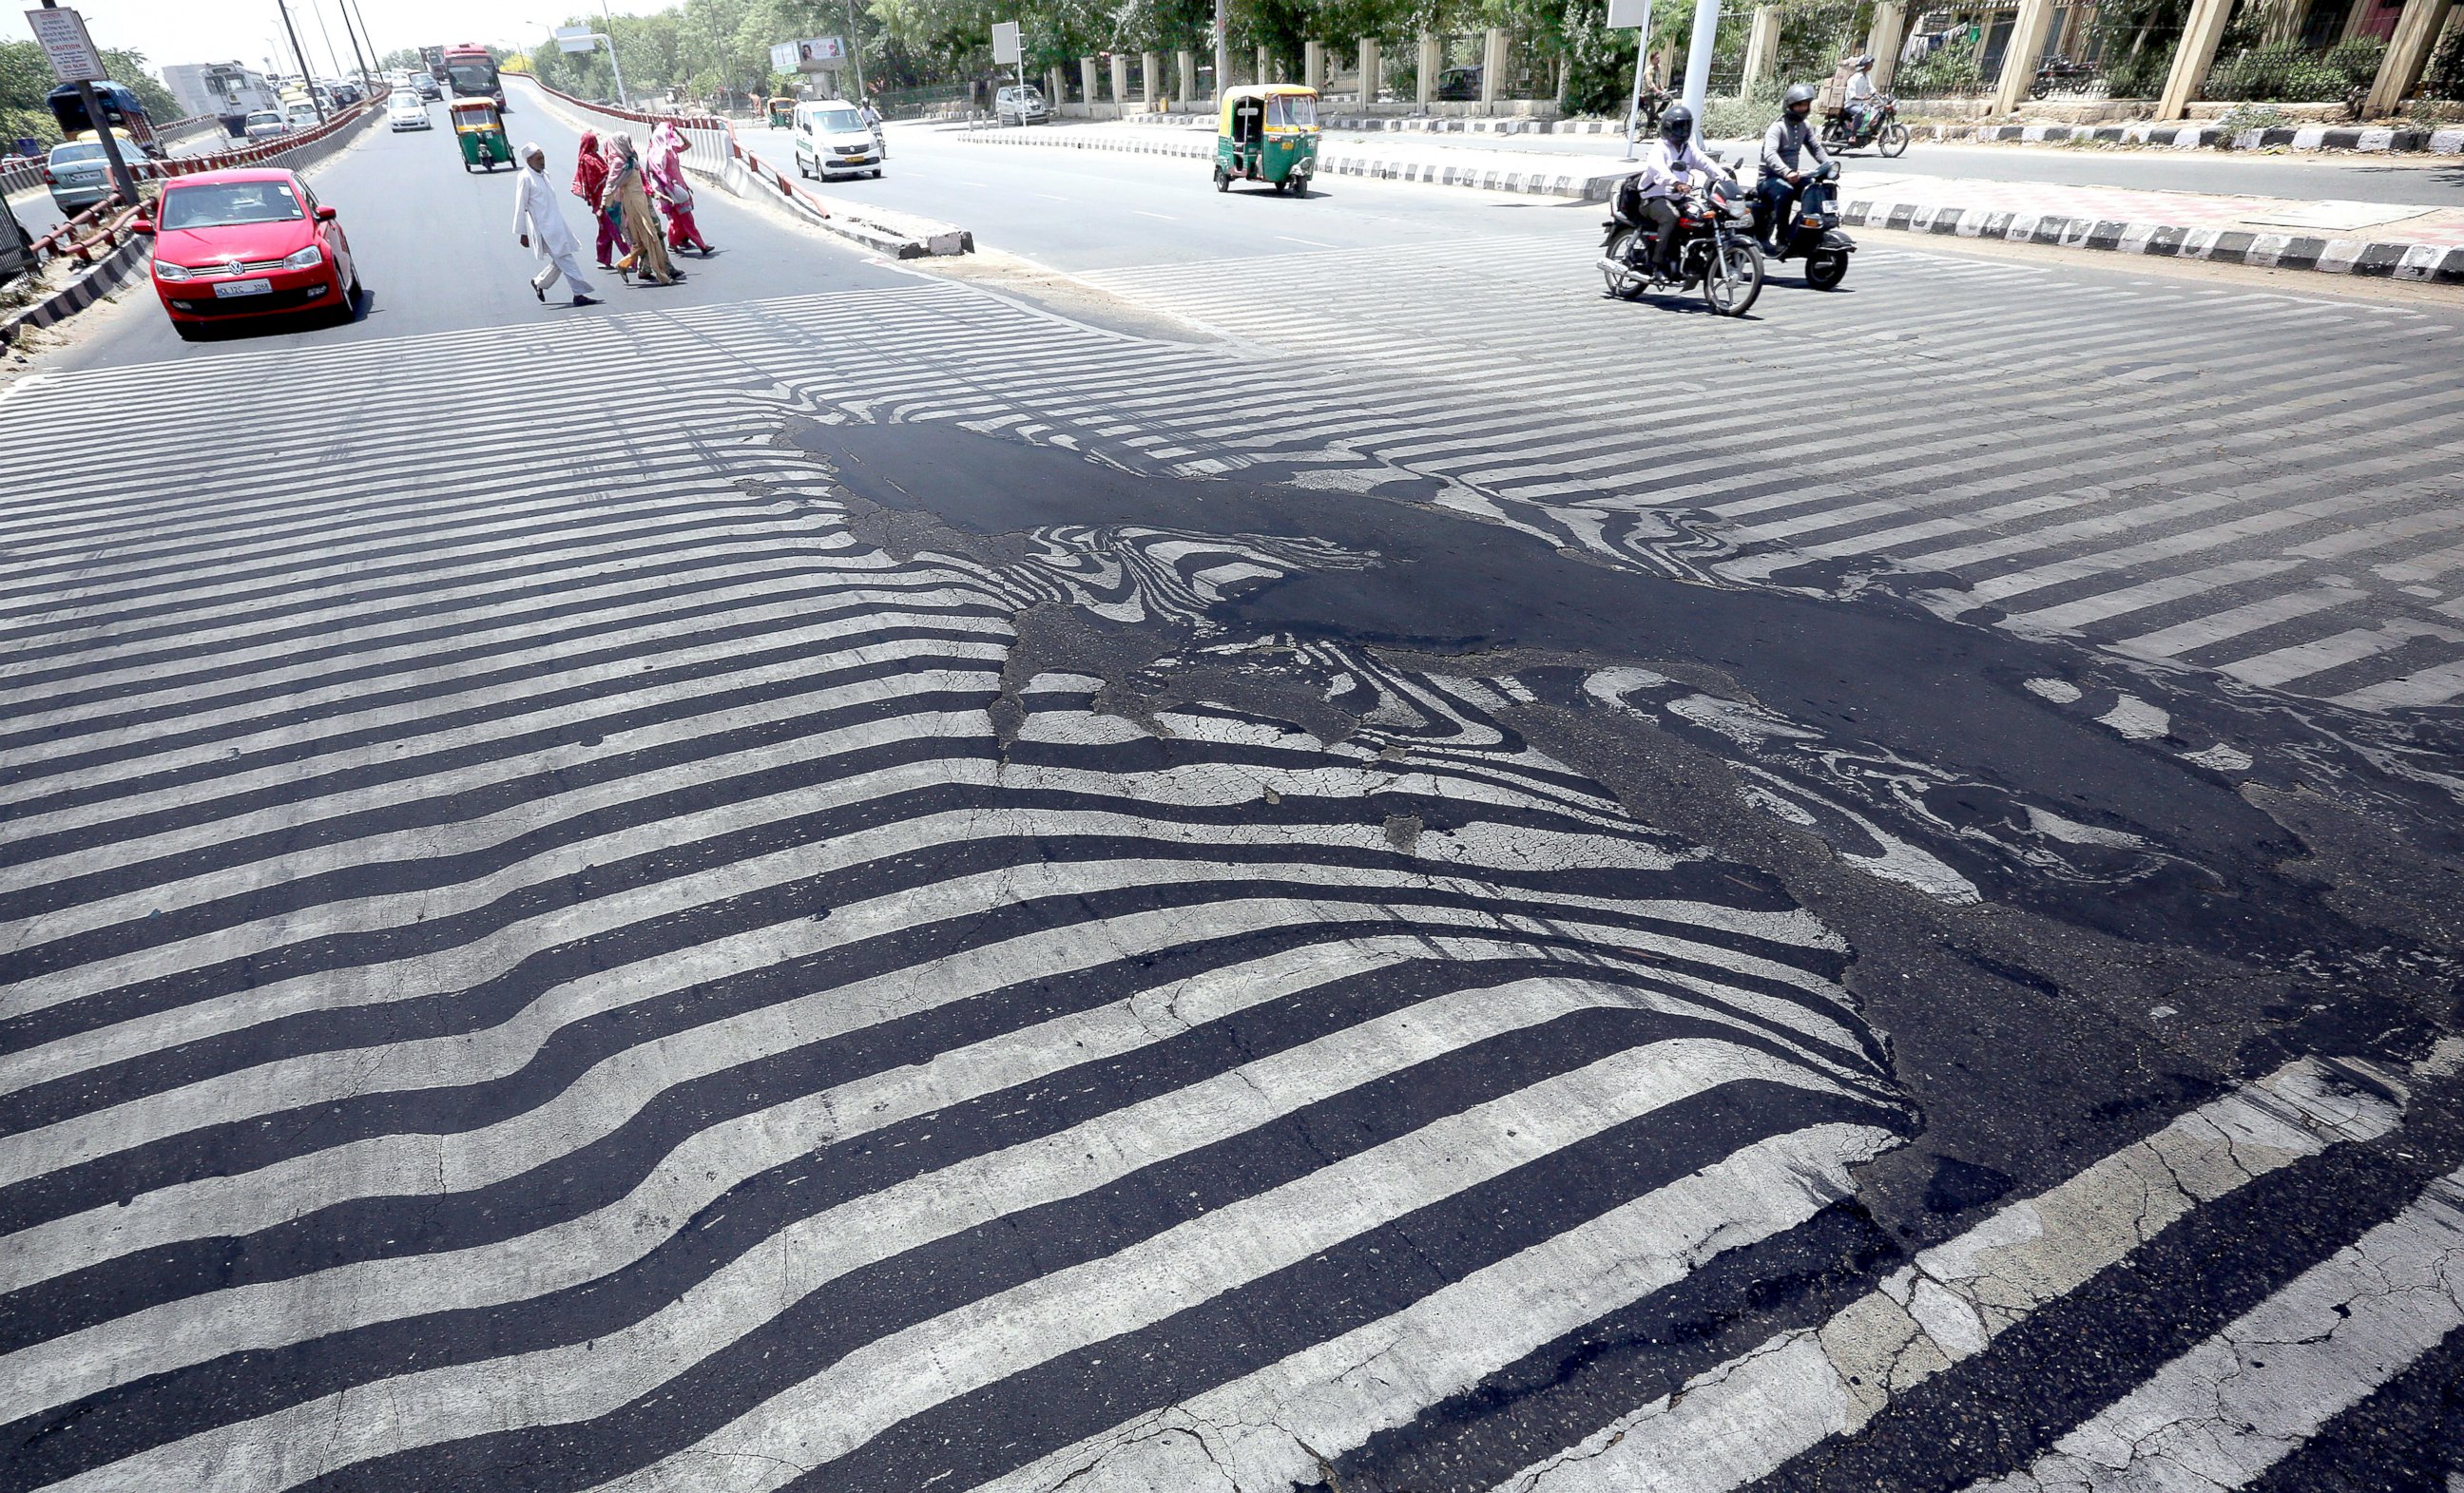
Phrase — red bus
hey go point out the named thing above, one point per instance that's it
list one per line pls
(469, 73)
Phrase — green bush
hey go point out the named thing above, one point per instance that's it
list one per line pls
(1946, 73)
(2292, 75)
(2444, 78)
(1747, 114)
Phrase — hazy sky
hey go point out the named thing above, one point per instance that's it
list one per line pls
(218, 30)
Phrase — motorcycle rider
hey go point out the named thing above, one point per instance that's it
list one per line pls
(1667, 173)
(1861, 94)
(1791, 138)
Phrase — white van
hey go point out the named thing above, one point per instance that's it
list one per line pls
(833, 139)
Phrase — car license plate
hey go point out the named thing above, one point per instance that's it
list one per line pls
(229, 289)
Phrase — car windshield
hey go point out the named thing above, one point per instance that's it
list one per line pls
(63, 155)
(265, 117)
(223, 203)
(1291, 110)
(837, 121)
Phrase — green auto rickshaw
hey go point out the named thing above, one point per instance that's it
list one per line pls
(1267, 132)
(783, 113)
(481, 134)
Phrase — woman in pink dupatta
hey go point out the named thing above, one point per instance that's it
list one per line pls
(664, 170)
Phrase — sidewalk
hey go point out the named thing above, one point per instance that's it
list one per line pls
(2403, 242)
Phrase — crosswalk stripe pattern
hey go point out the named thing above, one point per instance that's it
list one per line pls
(2082, 458)
(564, 948)
(546, 972)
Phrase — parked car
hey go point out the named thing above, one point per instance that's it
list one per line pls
(1021, 104)
(266, 124)
(79, 172)
(247, 243)
(1457, 84)
(833, 139)
(406, 111)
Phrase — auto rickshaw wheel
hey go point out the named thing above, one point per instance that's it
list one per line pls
(1222, 178)
(1283, 186)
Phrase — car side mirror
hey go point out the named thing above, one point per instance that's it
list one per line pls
(326, 214)
(143, 225)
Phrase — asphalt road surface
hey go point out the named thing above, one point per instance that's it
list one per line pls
(1174, 861)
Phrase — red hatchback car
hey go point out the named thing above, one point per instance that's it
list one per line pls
(256, 242)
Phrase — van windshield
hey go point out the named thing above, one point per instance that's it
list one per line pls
(837, 121)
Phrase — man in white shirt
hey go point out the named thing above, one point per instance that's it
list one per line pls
(537, 216)
(1667, 173)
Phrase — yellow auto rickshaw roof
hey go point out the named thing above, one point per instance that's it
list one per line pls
(487, 106)
(1240, 91)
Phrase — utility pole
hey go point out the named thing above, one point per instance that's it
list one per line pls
(1222, 54)
(306, 80)
(1641, 67)
(374, 55)
(856, 52)
(122, 180)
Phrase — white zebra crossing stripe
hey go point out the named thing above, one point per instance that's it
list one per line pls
(1279, 1426)
(2239, 1403)
(1744, 1420)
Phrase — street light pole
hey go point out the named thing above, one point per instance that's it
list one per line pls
(1222, 53)
(1698, 59)
(366, 81)
(306, 83)
(1641, 61)
(613, 66)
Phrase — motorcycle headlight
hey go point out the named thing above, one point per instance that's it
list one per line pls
(171, 272)
(307, 258)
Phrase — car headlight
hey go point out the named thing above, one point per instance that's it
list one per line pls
(172, 272)
(307, 258)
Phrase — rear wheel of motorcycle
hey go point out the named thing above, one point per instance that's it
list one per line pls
(1895, 139)
(1826, 268)
(1733, 276)
(1625, 285)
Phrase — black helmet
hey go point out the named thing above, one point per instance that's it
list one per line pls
(1676, 125)
(1801, 94)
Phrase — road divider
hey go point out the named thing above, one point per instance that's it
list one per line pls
(717, 156)
(2423, 244)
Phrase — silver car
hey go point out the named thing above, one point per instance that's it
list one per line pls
(80, 174)
(1021, 103)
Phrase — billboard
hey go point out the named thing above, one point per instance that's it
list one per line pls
(812, 55)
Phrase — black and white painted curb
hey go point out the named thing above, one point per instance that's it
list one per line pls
(2447, 140)
(2435, 263)
(1590, 186)
(105, 276)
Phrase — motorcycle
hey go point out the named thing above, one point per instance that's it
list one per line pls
(1713, 248)
(1811, 233)
(1880, 128)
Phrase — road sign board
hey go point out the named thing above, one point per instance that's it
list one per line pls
(1005, 48)
(61, 33)
(1629, 14)
(812, 55)
(576, 38)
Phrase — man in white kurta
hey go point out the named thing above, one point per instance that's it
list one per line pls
(539, 221)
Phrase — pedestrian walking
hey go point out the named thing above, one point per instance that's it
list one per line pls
(591, 184)
(664, 171)
(628, 195)
(539, 221)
